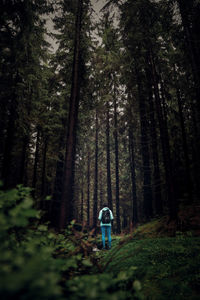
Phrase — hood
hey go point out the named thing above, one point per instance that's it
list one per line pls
(105, 208)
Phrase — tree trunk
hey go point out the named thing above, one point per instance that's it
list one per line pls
(3, 128)
(172, 204)
(34, 182)
(158, 203)
(125, 221)
(82, 199)
(26, 139)
(54, 211)
(116, 165)
(88, 188)
(109, 186)
(100, 189)
(24, 161)
(9, 143)
(185, 148)
(187, 9)
(95, 198)
(147, 191)
(43, 186)
(66, 214)
(133, 177)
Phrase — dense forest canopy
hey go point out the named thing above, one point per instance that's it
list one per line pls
(113, 114)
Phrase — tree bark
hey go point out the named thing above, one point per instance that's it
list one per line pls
(9, 144)
(43, 185)
(35, 168)
(190, 11)
(133, 178)
(82, 199)
(100, 189)
(88, 188)
(109, 186)
(116, 165)
(54, 211)
(187, 9)
(184, 145)
(24, 161)
(162, 120)
(125, 221)
(66, 214)
(147, 191)
(158, 203)
(95, 198)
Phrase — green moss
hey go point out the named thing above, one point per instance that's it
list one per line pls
(168, 268)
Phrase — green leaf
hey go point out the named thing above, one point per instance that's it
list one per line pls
(42, 228)
(87, 263)
(137, 285)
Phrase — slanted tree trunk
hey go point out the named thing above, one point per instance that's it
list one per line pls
(109, 186)
(116, 165)
(66, 214)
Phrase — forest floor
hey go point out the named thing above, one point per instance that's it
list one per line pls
(155, 268)
(147, 264)
(156, 260)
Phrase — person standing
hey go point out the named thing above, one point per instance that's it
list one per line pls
(106, 216)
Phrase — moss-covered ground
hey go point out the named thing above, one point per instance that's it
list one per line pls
(167, 268)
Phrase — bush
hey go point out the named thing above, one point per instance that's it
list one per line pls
(38, 264)
(28, 270)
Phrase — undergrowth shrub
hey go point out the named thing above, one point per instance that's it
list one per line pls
(28, 270)
(36, 263)
(106, 286)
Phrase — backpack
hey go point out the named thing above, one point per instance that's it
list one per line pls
(106, 216)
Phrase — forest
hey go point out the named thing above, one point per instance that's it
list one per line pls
(99, 103)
